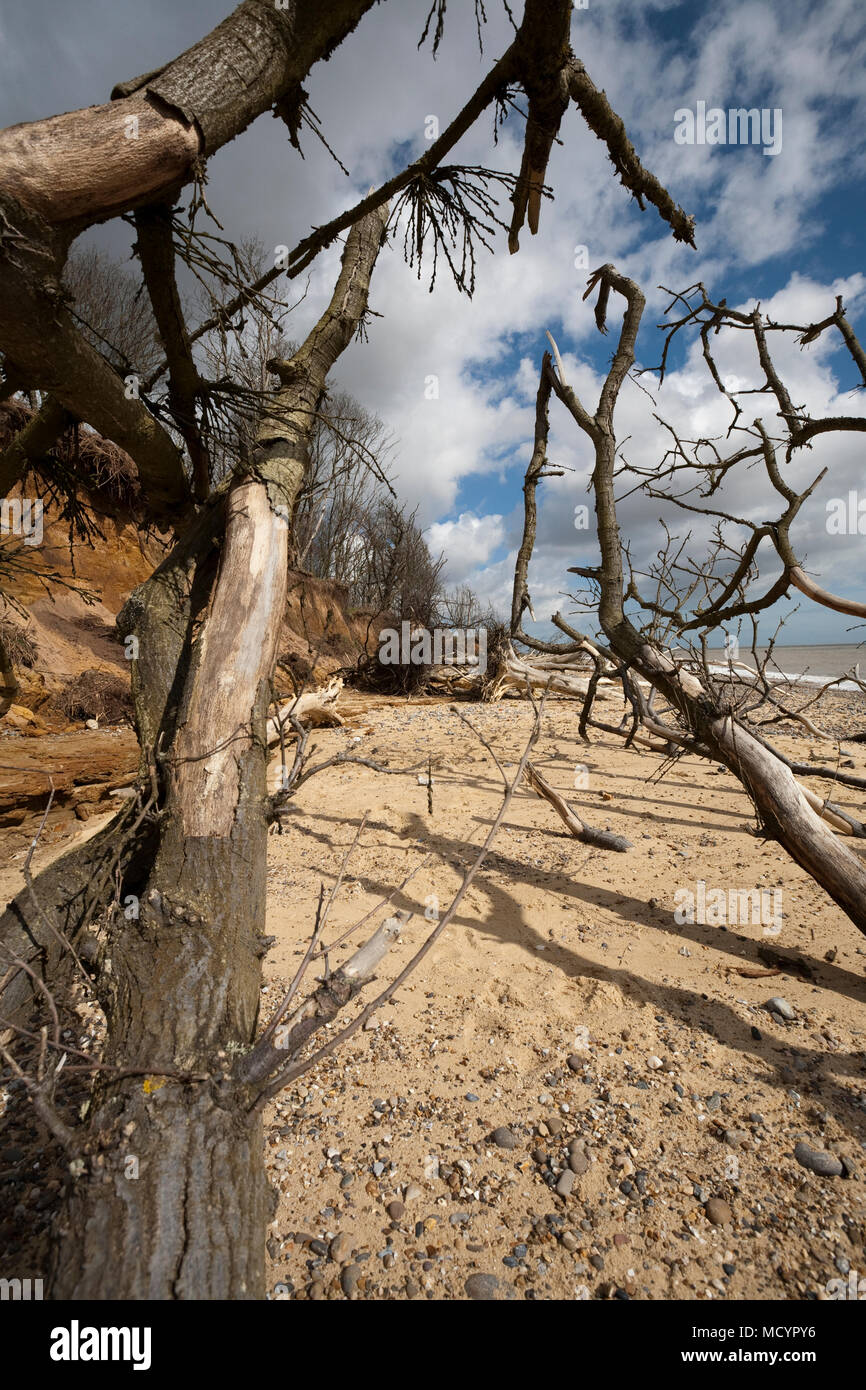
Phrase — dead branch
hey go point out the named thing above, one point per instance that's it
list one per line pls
(587, 834)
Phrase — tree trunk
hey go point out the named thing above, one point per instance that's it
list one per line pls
(172, 1199)
(71, 891)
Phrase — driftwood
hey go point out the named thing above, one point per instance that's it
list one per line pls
(282, 1043)
(314, 709)
(557, 671)
(587, 834)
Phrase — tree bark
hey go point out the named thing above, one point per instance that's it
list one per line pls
(180, 987)
(94, 163)
(32, 443)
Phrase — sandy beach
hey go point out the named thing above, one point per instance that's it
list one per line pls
(645, 1102)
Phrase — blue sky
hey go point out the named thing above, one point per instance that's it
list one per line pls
(783, 229)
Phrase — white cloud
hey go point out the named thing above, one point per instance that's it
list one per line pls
(469, 542)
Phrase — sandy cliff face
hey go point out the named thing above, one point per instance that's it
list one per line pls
(72, 590)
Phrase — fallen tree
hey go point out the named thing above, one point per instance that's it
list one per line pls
(706, 720)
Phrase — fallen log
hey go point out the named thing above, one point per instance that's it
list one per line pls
(315, 709)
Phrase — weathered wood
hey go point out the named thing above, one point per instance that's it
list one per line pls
(587, 834)
(807, 586)
(58, 359)
(180, 987)
(787, 811)
(314, 708)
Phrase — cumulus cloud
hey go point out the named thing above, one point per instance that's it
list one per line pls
(469, 542)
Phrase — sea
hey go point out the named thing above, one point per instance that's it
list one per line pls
(812, 665)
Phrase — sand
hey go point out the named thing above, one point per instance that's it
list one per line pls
(686, 1087)
(566, 1003)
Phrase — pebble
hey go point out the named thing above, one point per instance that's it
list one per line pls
(575, 1062)
(654, 1063)
(736, 1138)
(340, 1248)
(780, 1006)
(318, 1247)
(349, 1279)
(718, 1212)
(578, 1162)
(569, 1240)
(827, 1165)
(566, 1183)
(714, 1102)
(413, 1192)
(481, 1286)
(470, 1095)
(503, 1138)
(395, 1210)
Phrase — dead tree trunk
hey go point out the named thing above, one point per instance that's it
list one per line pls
(172, 1200)
(784, 810)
